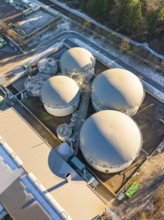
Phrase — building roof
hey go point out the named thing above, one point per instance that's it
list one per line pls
(117, 89)
(15, 198)
(13, 193)
(49, 168)
(59, 91)
(118, 138)
(76, 60)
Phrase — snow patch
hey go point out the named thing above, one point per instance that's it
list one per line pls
(111, 63)
(47, 52)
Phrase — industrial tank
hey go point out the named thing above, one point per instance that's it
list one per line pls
(60, 95)
(117, 89)
(33, 84)
(78, 62)
(64, 131)
(110, 141)
(48, 66)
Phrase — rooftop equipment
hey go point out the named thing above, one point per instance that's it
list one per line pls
(64, 131)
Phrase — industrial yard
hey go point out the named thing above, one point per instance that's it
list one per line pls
(99, 116)
(38, 19)
(148, 118)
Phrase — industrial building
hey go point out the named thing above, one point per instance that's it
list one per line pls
(43, 192)
(40, 177)
(60, 95)
(117, 89)
(110, 141)
(78, 62)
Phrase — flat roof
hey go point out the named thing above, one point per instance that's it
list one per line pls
(76, 198)
(14, 196)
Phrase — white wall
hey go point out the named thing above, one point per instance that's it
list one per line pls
(64, 111)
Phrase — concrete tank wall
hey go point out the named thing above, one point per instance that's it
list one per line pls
(102, 168)
(131, 111)
(63, 111)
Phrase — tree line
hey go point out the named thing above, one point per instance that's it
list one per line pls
(129, 16)
(136, 18)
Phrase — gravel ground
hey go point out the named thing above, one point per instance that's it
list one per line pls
(150, 177)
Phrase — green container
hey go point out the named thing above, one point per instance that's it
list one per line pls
(1, 99)
(132, 190)
(26, 66)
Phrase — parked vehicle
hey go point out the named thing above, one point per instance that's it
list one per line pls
(3, 41)
(26, 66)
(83, 171)
(132, 190)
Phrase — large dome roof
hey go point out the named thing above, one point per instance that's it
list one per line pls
(117, 89)
(110, 138)
(77, 60)
(59, 91)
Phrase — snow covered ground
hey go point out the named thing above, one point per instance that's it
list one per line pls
(144, 68)
(47, 52)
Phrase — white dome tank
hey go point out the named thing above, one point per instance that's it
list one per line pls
(110, 141)
(117, 89)
(64, 131)
(60, 95)
(79, 63)
(48, 66)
